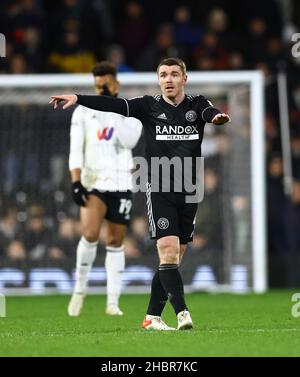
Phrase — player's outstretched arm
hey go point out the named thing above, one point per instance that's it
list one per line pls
(101, 103)
(221, 118)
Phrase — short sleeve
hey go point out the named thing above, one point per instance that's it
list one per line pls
(206, 110)
(77, 117)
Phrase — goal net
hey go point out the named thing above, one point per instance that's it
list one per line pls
(39, 222)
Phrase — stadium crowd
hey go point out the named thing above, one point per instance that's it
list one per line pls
(69, 36)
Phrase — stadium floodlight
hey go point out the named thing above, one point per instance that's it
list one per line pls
(235, 152)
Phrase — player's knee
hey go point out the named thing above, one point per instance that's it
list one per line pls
(90, 235)
(115, 235)
(169, 259)
(169, 251)
(114, 241)
(169, 243)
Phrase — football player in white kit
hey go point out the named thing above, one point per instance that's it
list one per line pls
(100, 163)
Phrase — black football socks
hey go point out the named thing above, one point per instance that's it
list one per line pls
(171, 281)
(158, 296)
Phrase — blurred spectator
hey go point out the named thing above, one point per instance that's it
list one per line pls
(210, 55)
(276, 207)
(15, 251)
(37, 237)
(199, 242)
(65, 243)
(140, 231)
(101, 24)
(9, 226)
(240, 208)
(71, 57)
(201, 9)
(217, 23)
(32, 49)
(18, 64)
(296, 156)
(296, 12)
(134, 31)
(10, 170)
(215, 145)
(208, 219)
(116, 55)
(271, 89)
(131, 249)
(63, 18)
(15, 256)
(294, 223)
(273, 142)
(185, 32)
(276, 53)
(267, 10)
(202, 252)
(256, 44)
(236, 61)
(56, 254)
(58, 170)
(21, 15)
(163, 46)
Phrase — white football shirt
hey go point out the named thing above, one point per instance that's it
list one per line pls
(100, 145)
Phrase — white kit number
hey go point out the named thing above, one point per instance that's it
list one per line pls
(125, 207)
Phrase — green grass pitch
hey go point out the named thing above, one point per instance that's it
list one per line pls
(225, 325)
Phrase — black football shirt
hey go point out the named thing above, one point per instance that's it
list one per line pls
(169, 131)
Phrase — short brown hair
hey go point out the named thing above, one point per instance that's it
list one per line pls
(104, 68)
(173, 61)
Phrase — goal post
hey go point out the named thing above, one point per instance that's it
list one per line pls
(241, 261)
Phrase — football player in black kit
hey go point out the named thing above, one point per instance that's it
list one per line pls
(173, 127)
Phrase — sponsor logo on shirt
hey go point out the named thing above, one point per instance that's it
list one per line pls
(162, 116)
(105, 134)
(169, 132)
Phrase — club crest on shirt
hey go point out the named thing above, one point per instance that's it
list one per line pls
(191, 116)
(163, 223)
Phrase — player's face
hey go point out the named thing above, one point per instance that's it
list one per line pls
(171, 80)
(107, 82)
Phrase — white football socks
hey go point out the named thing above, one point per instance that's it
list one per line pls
(115, 265)
(86, 254)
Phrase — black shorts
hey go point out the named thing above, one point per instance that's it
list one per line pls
(119, 204)
(170, 215)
